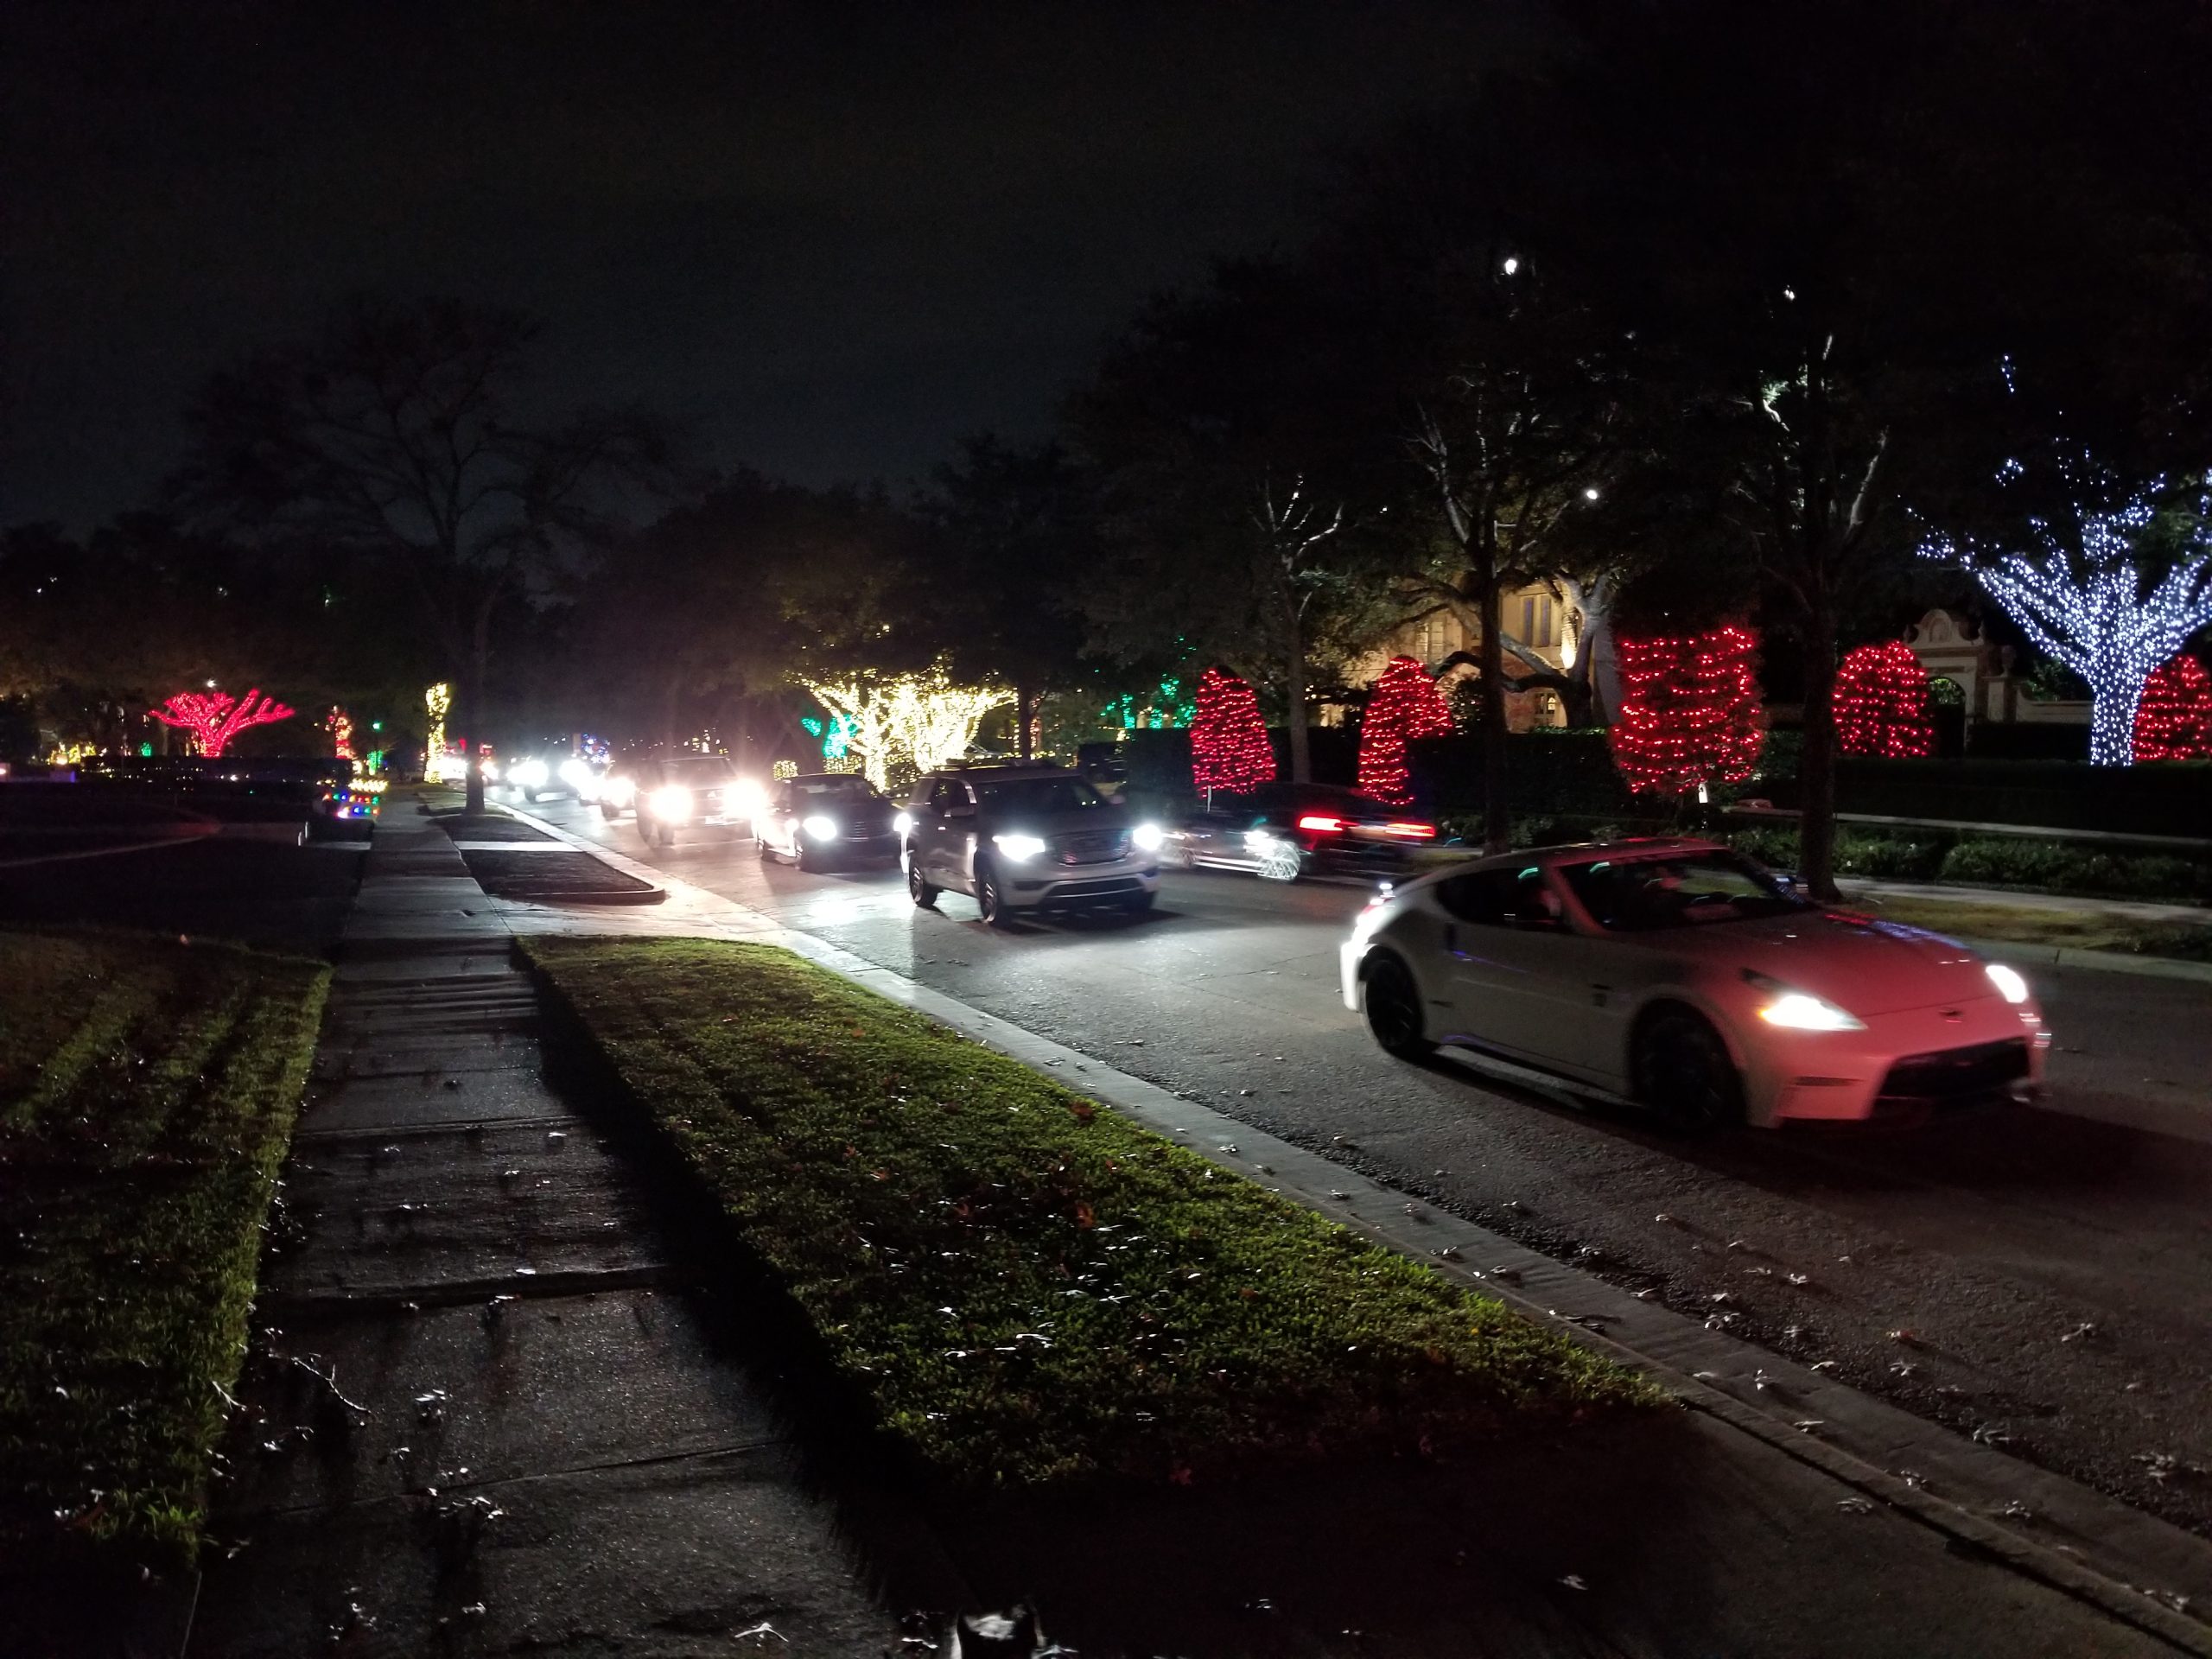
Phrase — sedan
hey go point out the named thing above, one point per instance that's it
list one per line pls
(827, 817)
(1681, 975)
(1282, 831)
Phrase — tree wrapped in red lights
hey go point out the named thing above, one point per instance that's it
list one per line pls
(2174, 720)
(214, 718)
(340, 725)
(1690, 712)
(1229, 741)
(1881, 704)
(1405, 704)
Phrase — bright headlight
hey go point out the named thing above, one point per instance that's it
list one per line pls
(1018, 848)
(750, 797)
(529, 774)
(904, 823)
(1147, 837)
(820, 828)
(671, 802)
(1802, 1011)
(489, 768)
(575, 772)
(2008, 982)
(620, 790)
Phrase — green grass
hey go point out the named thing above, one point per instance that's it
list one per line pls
(1027, 1286)
(147, 1094)
(2075, 930)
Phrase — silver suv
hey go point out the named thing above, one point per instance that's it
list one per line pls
(1026, 837)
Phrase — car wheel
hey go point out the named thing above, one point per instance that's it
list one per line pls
(1391, 1001)
(667, 834)
(608, 811)
(988, 899)
(800, 857)
(1282, 861)
(760, 846)
(530, 795)
(645, 829)
(1138, 904)
(1685, 1074)
(923, 895)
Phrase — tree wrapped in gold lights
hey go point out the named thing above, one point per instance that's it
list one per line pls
(2174, 720)
(907, 724)
(1405, 704)
(1229, 749)
(1690, 712)
(1881, 704)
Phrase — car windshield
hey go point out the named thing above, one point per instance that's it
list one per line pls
(702, 770)
(1643, 895)
(1037, 794)
(833, 789)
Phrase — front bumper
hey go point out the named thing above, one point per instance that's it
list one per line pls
(885, 846)
(1080, 886)
(1900, 1063)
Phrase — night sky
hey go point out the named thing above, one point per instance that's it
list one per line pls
(831, 240)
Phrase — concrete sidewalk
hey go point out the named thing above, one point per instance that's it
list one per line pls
(2126, 910)
(1782, 1513)
(487, 1408)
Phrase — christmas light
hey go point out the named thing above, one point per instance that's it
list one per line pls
(2084, 604)
(1881, 704)
(340, 726)
(1229, 741)
(1689, 714)
(2174, 720)
(437, 700)
(214, 718)
(1404, 704)
(911, 721)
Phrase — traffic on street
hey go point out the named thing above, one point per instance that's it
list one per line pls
(2030, 1272)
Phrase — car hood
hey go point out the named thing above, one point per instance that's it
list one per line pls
(1087, 820)
(1863, 966)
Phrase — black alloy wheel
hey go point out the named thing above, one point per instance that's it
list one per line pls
(1391, 1001)
(989, 899)
(923, 895)
(1685, 1074)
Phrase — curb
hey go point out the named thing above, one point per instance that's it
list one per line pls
(2103, 961)
(1685, 1357)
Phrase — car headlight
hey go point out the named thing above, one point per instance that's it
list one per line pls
(529, 774)
(1147, 837)
(1803, 1011)
(575, 773)
(904, 823)
(489, 768)
(620, 790)
(750, 799)
(672, 801)
(2007, 981)
(1018, 848)
(820, 828)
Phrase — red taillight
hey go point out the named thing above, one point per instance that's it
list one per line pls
(1409, 831)
(1323, 826)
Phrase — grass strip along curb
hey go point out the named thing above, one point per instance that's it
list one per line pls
(148, 1089)
(1022, 1285)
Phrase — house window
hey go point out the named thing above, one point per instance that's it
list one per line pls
(1539, 620)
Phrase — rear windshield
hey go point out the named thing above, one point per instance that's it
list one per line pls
(1039, 795)
(1644, 895)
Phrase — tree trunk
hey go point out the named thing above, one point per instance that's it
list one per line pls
(472, 700)
(1293, 699)
(1497, 820)
(1816, 771)
(1024, 704)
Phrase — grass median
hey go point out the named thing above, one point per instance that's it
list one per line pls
(1025, 1286)
(2072, 929)
(148, 1089)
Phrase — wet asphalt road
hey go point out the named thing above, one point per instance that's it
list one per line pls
(2040, 1275)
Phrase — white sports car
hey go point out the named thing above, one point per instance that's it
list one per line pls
(1680, 975)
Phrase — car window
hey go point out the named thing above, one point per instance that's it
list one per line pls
(839, 788)
(1502, 898)
(950, 793)
(1642, 895)
(703, 771)
(1069, 794)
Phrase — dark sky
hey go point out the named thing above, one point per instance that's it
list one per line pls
(833, 239)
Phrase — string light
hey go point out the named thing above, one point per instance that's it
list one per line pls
(2174, 720)
(437, 700)
(1229, 741)
(1404, 704)
(1690, 713)
(910, 721)
(1881, 704)
(214, 718)
(340, 725)
(2086, 605)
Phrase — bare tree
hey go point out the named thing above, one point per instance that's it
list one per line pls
(396, 436)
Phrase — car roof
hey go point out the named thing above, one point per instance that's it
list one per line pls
(1591, 852)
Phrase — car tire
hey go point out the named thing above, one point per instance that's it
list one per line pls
(1685, 1074)
(608, 811)
(1138, 904)
(923, 895)
(646, 828)
(989, 900)
(1390, 1000)
(530, 795)
(760, 846)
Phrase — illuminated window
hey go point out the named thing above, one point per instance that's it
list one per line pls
(1539, 620)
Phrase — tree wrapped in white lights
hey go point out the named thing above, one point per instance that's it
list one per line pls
(2089, 605)
(908, 721)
